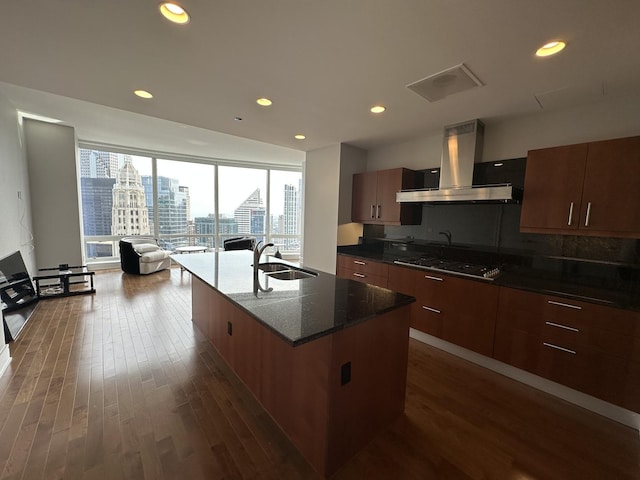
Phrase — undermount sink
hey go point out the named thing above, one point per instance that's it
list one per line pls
(291, 275)
(280, 271)
(273, 267)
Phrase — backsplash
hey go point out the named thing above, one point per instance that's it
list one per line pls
(497, 227)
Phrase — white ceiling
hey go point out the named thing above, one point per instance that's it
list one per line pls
(323, 63)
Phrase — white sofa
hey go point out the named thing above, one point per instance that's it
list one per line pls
(142, 255)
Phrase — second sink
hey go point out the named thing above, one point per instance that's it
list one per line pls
(281, 271)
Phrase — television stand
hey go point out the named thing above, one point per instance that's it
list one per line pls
(68, 281)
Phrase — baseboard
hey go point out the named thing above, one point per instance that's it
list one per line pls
(606, 409)
(5, 358)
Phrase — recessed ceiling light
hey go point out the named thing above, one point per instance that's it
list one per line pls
(550, 48)
(143, 94)
(378, 109)
(299, 136)
(265, 102)
(174, 13)
(237, 119)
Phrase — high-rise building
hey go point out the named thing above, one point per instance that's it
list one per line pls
(250, 215)
(96, 164)
(228, 225)
(129, 215)
(173, 206)
(97, 203)
(291, 215)
(205, 226)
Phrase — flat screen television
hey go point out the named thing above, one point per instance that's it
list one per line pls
(16, 288)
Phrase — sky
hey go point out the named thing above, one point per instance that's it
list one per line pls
(236, 184)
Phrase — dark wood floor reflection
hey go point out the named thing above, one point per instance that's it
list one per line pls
(120, 385)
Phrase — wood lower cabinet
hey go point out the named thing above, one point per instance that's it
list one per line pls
(362, 270)
(374, 198)
(583, 189)
(457, 310)
(230, 330)
(591, 348)
(330, 395)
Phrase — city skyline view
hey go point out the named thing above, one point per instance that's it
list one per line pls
(118, 199)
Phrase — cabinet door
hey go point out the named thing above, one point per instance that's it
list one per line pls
(389, 182)
(364, 197)
(553, 189)
(612, 187)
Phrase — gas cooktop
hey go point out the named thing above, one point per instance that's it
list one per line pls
(473, 270)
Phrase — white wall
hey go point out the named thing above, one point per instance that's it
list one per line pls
(15, 216)
(513, 137)
(352, 160)
(51, 154)
(322, 180)
(15, 211)
(328, 174)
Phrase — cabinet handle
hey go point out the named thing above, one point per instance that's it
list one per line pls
(562, 326)
(570, 214)
(437, 279)
(568, 305)
(586, 219)
(358, 262)
(562, 349)
(378, 208)
(372, 214)
(359, 275)
(434, 310)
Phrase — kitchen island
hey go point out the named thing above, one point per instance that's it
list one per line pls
(325, 356)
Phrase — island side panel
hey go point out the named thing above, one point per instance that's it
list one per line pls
(291, 383)
(201, 306)
(295, 392)
(377, 351)
(235, 334)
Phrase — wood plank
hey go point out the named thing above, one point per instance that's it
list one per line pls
(120, 385)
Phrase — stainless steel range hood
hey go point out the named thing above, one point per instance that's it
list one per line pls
(462, 147)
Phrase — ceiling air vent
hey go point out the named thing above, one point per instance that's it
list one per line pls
(453, 80)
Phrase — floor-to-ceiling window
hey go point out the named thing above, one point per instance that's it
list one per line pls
(285, 194)
(185, 202)
(185, 207)
(114, 202)
(243, 207)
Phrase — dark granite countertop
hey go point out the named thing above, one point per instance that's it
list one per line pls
(558, 283)
(296, 310)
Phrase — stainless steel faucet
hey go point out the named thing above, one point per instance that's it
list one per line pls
(257, 253)
(447, 233)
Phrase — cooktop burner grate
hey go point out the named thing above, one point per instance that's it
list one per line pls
(451, 266)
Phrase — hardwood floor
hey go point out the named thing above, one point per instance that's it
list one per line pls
(120, 385)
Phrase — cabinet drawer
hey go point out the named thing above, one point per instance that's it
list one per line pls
(457, 310)
(362, 265)
(607, 377)
(378, 280)
(529, 311)
(362, 270)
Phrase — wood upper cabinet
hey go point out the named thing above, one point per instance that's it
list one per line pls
(584, 189)
(374, 198)
(591, 348)
(612, 188)
(553, 188)
(457, 310)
